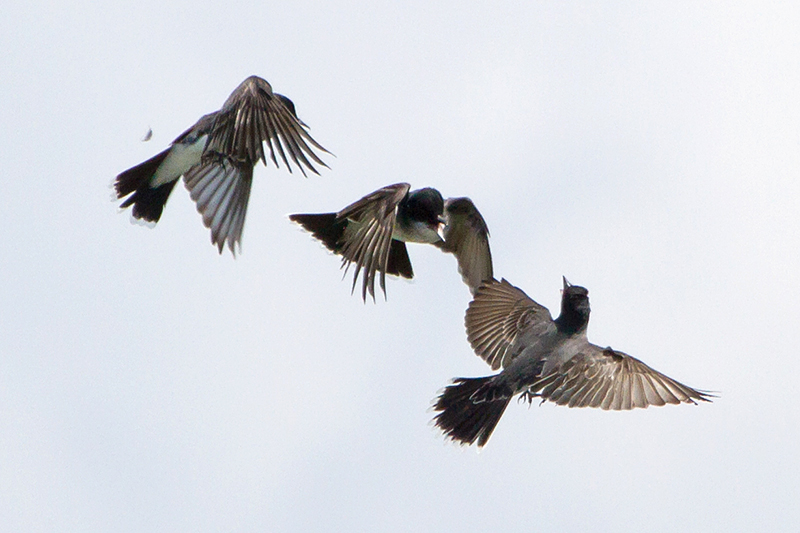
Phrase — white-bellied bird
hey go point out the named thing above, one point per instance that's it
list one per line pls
(216, 157)
(371, 233)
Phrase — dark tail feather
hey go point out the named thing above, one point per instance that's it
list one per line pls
(399, 263)
(324, 227)
(465, 421)
(148, 203)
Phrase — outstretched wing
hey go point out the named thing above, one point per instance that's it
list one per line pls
(253, 115)
(497, 316)
(221, 191)
(466, 236)
(608, 379)
(367, 239)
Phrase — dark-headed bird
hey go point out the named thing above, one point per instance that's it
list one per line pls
(371, 233)
(216, 157)
(544, 358)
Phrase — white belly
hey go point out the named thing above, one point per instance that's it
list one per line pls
(180, 159)
(415, 232)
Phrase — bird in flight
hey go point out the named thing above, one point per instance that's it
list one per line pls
(544, 358)
(216, 157)
(371, 233)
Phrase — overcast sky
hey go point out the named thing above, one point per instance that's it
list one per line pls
(648, 153)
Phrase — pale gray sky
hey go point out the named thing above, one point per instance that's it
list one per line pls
(647, 153)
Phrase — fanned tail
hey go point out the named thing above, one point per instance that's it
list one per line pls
(148, 202)
(324, 227)
(470, 409)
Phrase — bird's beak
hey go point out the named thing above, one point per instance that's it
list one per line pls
(440, 231)
(440, 227)
(566, 283)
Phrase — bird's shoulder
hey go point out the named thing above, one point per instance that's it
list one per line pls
(466, 236)
(462, 213)
(502, 321)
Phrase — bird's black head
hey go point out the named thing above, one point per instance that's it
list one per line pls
(288, 104)
(575, 310)
(425, 205)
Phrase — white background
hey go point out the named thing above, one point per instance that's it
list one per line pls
(648, 153)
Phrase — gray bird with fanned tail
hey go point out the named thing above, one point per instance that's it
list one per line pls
(216, 157)
(544, 358)
(371, 233)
